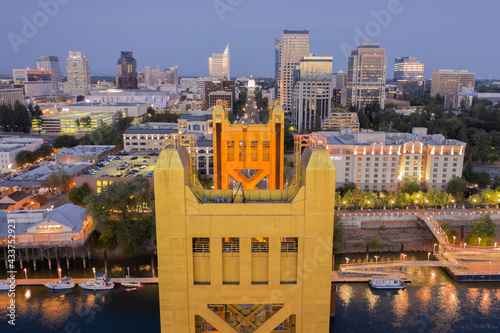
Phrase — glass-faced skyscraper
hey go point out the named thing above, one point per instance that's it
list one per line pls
(366, 71)
(312, 94)
(219, 64)
(294, 46)
(127, 71)
(409, 76)
(50, 63)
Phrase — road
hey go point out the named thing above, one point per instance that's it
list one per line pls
(251, 113)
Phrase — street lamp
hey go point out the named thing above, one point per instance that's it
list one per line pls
(59, 272)
(479, 241)
(456, 263)
(435, 244)
(376, 260)
(465, 244)
(93, 270)
(25, 274)
(495, 245)
(347, 259)
(392, 204)
(428, 256)
(474, 203)
(454, 240)
(404, 256)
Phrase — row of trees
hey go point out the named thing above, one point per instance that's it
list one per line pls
(17, 118)
(477, 125)
(29, 157)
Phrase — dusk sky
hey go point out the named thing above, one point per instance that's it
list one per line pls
(444, 34)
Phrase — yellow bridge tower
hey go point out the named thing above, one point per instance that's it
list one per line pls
(245, 260)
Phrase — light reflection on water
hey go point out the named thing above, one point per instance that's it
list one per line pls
(432, 302)
(80, 310)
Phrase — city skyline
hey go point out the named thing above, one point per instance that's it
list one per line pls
(251, 30)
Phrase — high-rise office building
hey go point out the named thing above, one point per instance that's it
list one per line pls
(340, 79)
(127, 71)
(448, 81)
(409, 76)
(50, 63)
(312, 92)
(212, 86)
(408, 69)
(219, 64)
(294, 46)
(77, 71)
(152, 76)
(241, 257)
(277, 57)
(170, 76)
(366, 71)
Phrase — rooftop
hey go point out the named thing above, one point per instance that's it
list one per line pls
(367, 137)
(12, 144)
(69, 215)
(196, 115)
(85, 150)
(152, 128)
(41, 173)
(85, 104)
(145, 163)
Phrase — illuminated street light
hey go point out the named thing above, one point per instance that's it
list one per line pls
(404, 256)
(428, 256)
(25, 274)
(59, 272)
(435, 244)
(456, 263)
(93, 270)
(454, 240)
(347, 259)
(376, 260)
(479, 241)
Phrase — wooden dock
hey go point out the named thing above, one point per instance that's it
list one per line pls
(339, 277)
(41, 282)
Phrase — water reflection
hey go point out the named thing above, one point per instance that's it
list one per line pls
(371, 298)
(345, 292)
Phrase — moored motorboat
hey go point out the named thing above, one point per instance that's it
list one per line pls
(387, 282)
(6, 285)
(64, 283)
(130, 283)
(101, 282)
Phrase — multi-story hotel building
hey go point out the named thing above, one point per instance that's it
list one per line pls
(293, 47)
(312, 92)
(219, 65)
(448, 81)
(384, 161)
(366, 70)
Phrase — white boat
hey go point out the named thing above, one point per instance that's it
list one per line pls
(64, 283)
(101, 282)
(129, 283)
(4, 285)
(387, 282)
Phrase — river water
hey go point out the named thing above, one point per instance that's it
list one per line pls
(432, 302)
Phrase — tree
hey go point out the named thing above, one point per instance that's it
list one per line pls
(78, 194)
(122, 214)
(43, 151)
(458, 187)
(411, 187)
(25, 157)
(338, 234)
(65, 141)
(22, 119)
(484, 229)
(86, 121)
(58, 179)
